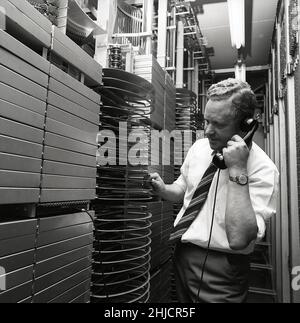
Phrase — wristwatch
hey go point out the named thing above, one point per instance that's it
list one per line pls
(241, 179)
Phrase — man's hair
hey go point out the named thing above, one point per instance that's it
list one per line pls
(243, 98)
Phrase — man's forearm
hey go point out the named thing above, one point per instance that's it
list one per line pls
(240, 219)
(172, 193)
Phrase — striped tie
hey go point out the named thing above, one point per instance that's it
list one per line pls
(195, 205)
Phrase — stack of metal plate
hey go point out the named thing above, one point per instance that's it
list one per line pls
(23, 95)
(46, 260)
(49, 123)
(26, 24)
(122, 238)
(36, 96)
(122, 254)
(163, 116)
(63, 47)
(147, 67)
(63, 259)
(17, 241)
(72, 124)
(127, 105)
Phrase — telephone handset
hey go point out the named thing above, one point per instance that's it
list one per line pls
(249, 126)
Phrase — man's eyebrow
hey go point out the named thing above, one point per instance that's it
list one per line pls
(221, 122)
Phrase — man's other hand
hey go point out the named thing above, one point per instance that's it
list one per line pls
(236, 154)
(157, 183)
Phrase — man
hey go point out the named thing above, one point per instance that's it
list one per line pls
(211, 258)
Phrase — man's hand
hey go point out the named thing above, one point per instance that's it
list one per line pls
(172, 193)
(157, 183)
(236, 155)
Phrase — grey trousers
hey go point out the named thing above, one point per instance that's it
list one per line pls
(225, 277)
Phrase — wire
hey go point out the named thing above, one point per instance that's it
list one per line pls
(89, 214)
(209, 240)
(100, 254)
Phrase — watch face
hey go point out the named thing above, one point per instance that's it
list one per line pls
(242, 179)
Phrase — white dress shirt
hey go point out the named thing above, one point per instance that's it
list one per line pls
(263, 186)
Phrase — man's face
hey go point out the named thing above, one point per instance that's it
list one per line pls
(220, 124)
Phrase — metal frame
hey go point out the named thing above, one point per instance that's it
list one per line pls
(292, 163)
(249, 69)
(284, 215)
(276, 242)
(162, 33)
(180, 54)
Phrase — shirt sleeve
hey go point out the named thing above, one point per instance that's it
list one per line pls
(181, 182)
(182, 179)
(263, 187)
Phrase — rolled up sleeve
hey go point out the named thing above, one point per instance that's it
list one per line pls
(181, 181)
(263, 187)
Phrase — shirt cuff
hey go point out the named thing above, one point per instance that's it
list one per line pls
(261, 226)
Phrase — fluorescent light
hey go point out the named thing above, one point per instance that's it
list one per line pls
(240, 71)
(236, 10)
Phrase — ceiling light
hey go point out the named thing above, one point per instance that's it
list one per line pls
(240, 70)
(236, 9)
